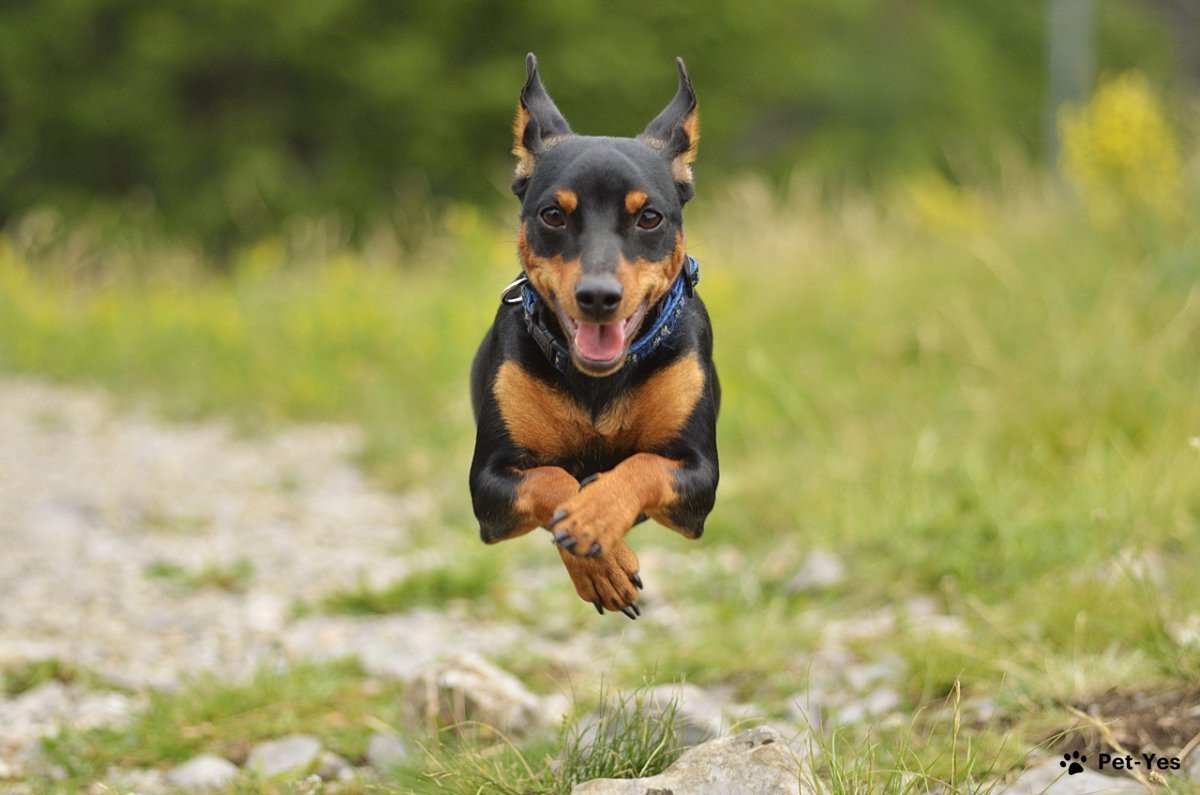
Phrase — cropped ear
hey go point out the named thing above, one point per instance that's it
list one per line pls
(538, 125)
(676, 132)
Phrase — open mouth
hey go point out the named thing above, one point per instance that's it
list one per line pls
(601, 346)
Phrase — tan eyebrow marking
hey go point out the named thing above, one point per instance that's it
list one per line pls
(635, 200)
(566, 199)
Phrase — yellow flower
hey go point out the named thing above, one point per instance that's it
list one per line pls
(1120, 153)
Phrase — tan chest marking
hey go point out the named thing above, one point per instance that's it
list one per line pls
(539, 417)
(545, 421)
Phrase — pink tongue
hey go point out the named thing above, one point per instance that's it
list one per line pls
(600, 341)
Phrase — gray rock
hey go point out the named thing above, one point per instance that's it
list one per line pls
(820, 570)
(879, 701)
(467, 688)
(296, 753)
(203, 773)
(385, 749)
(1050, 777)
(757, 761)
(330, 766)
(698, 716)
(138, 781)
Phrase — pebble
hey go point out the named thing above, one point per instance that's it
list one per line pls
(139, 781)
(878, 702)
(756, 761)
(331, 767)
(467, 688)
(820, 571)
(295, 753)
(203, 773)
(385, 749)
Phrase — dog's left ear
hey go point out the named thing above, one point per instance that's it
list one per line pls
(537, 126)
(676, 132)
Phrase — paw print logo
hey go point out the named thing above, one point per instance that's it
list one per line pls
(1071, 762)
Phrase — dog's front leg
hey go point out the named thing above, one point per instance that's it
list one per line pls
(590, 527)
(510, 501)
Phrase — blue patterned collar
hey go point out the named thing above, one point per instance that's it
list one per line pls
(539, 325)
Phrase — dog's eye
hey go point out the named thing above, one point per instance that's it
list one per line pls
(553, 217)
(649, 219)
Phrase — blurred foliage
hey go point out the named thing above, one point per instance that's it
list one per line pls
(1121, 154)
(229, 118)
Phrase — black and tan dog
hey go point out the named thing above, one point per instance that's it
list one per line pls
(594, 391)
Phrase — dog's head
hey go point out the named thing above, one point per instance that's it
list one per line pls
(602, 218)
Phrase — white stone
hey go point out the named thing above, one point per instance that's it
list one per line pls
(295, 753)
(203, 773)
(468, 688)
(330, 766)
(758, 761)
(820, 570)
(138, 781)
(385, 749)
(878, 702)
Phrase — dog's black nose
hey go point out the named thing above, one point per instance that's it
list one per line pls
(597, 295)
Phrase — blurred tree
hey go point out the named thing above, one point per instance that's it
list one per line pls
(231, 117)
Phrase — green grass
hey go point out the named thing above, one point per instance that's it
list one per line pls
(16, 680)
(471, 578)
(233, 576)
(988, 401)
(631, 739)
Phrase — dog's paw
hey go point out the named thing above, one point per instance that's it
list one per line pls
(596, 518)
(608, 582)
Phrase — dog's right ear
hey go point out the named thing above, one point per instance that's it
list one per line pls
(538, 125)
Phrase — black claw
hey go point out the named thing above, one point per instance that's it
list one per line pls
(599, 609)
(594, 552)
(636, 579)
(590, 478)
(567, 543)
(631, 615)
(561, 536)
(558, 516)
(636, 609)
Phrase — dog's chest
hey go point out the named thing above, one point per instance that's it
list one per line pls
(548, 423)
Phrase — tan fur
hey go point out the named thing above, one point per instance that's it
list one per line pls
(566, 199)
(648, 280)
(545, 421)
(524, 156)
(539, 417)
(604, 511)
(604, 579)
(542, 489)
(681, 165)
(635, 200)
(552, 277)
(655, 412)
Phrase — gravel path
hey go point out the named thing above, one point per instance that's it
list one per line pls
(92, 499)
